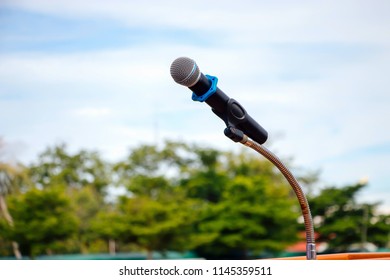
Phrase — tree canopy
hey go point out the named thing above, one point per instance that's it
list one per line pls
(343, 221)
(176, 196)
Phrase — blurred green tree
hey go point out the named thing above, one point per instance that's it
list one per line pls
(7, 181)
(57, 167)
(342, 221)
(222, 205)
(13, 178)
(41, 217)
(237, 204)
(156, 214)
(85, 178)
(250, 207)
(86, 203)
(110, 225)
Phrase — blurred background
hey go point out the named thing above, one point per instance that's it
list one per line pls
(102, 155)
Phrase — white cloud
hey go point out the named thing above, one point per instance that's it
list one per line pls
(93, 112)
(125, 66)
(246, 21)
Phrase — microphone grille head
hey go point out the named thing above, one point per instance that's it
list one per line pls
(185, 71)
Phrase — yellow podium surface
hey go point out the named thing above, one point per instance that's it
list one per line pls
(346, 256)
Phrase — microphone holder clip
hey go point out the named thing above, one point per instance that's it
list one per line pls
(233, 116)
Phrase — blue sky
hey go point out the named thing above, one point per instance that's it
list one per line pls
(95, 74)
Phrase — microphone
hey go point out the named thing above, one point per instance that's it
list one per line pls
(185, 71)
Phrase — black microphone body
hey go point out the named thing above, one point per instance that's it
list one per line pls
(228, 109)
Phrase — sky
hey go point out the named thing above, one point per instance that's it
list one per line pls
(95, 75)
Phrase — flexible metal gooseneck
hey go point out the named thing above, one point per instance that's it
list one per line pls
(308, 221)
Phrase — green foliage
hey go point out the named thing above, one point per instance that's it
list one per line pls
(378, 230)
(56, 167)
(249, 209)
(13, 178)
(85, 179)
(86, 204)
(109, 224)
(154, 225)
(342, 221)
(41, 217)
(157, 215)
(225, 203)
(178, 197)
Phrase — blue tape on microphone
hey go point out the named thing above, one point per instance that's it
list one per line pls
(211, 91)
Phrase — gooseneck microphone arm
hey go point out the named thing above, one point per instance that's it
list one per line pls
(238, 136)
(240, 128)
